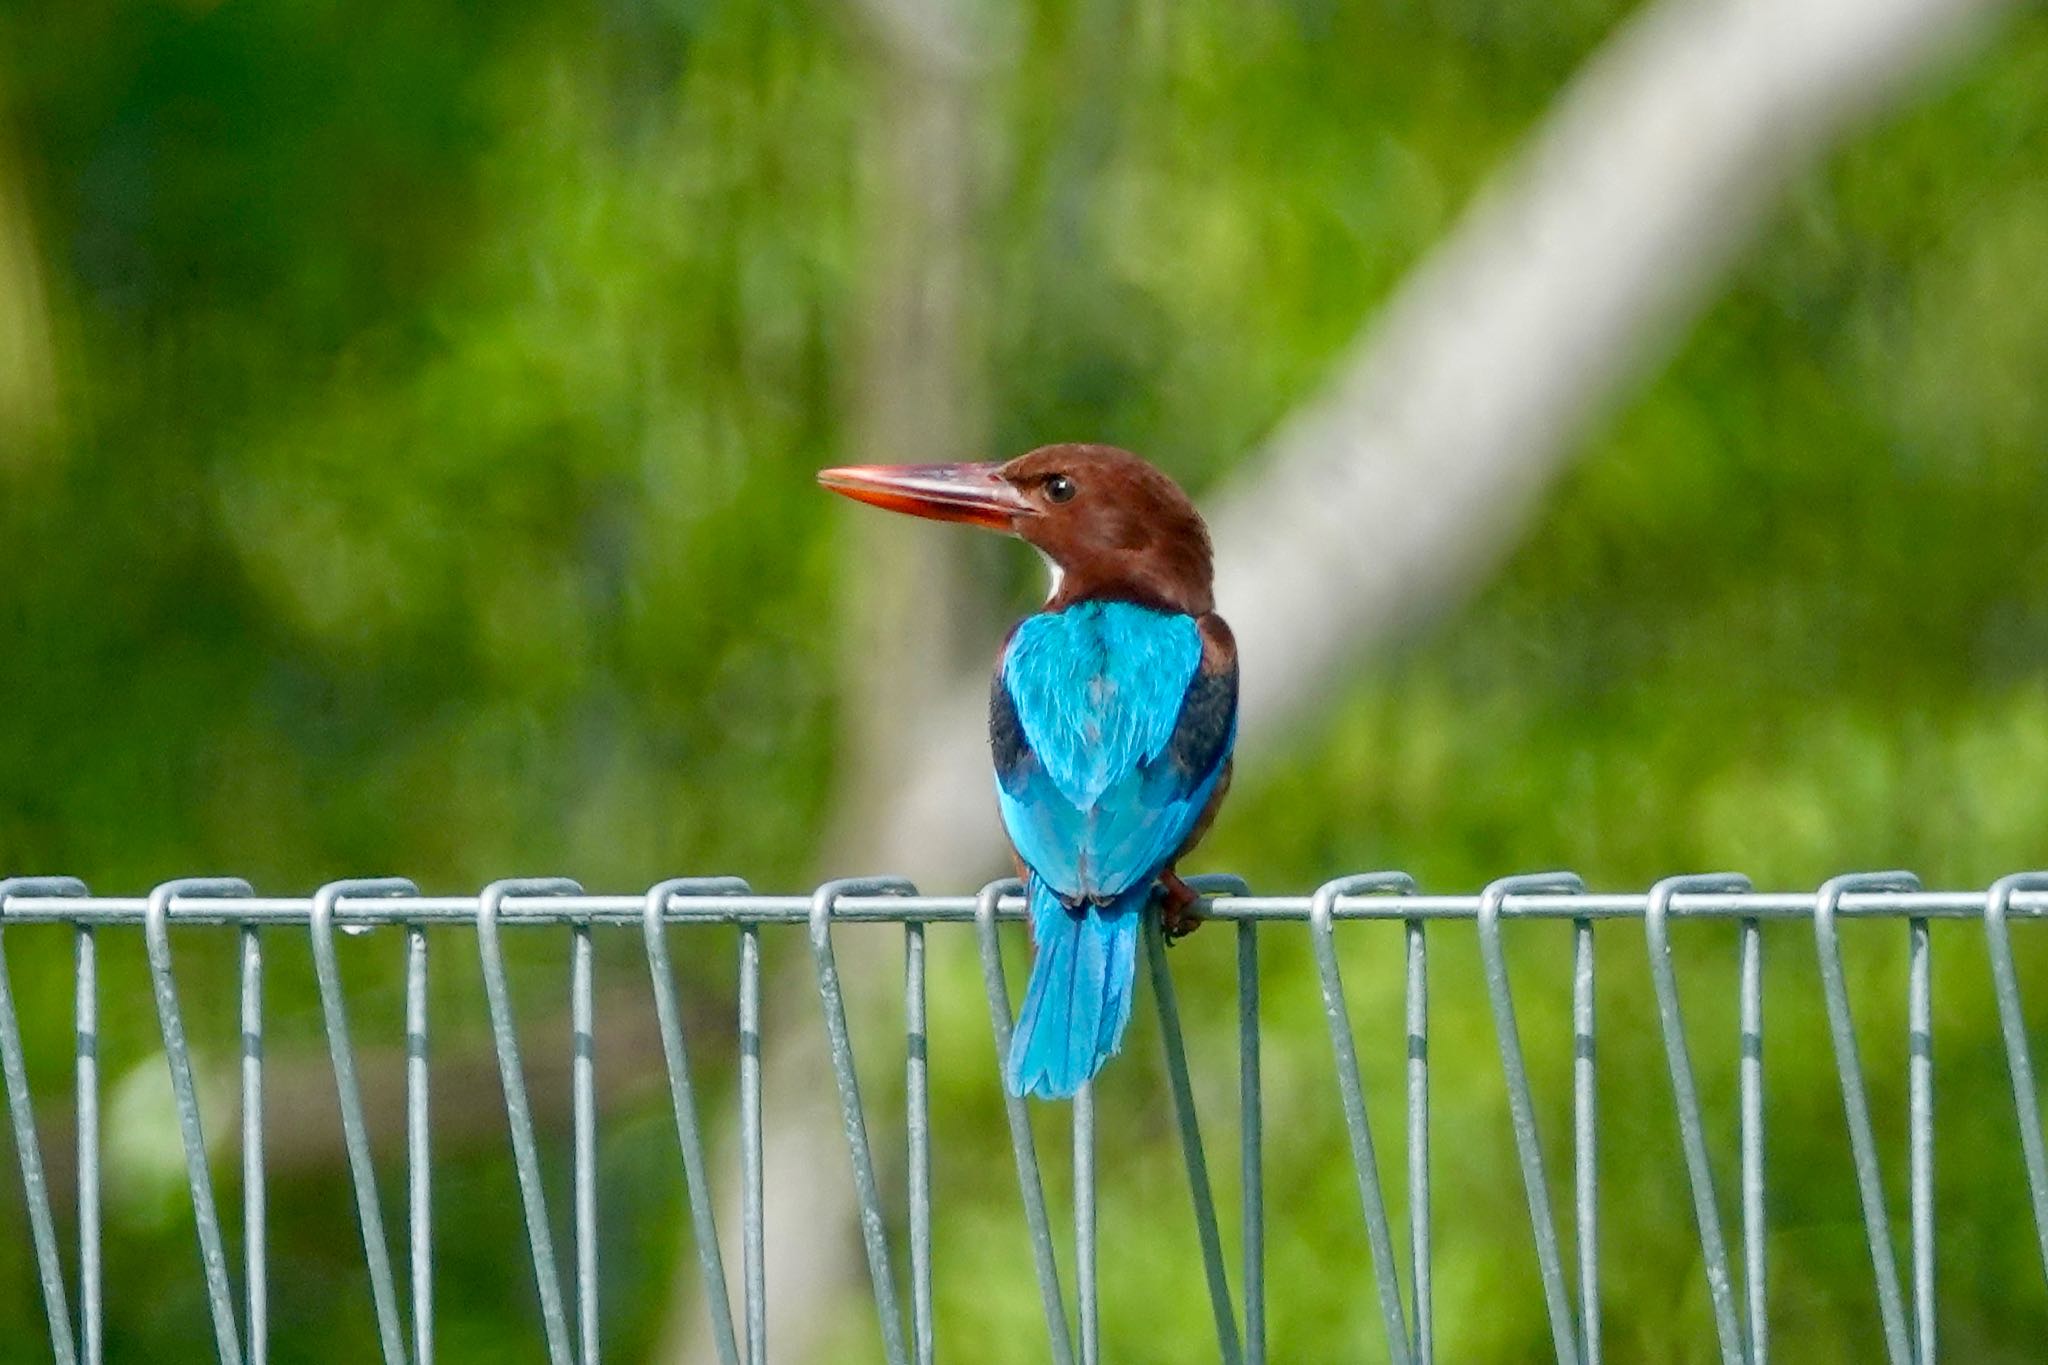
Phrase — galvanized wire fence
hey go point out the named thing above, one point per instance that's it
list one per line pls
(1739, 1307)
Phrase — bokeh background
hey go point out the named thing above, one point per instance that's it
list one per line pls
(407, 416)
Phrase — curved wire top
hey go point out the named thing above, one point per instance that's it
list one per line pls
(709, 901)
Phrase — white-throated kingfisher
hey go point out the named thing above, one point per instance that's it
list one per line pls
(1112, 716)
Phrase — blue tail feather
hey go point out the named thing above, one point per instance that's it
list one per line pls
(1079, 1000)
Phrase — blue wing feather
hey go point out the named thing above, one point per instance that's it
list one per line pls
(1086, 720)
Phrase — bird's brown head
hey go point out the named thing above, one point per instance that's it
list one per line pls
(1111, 524)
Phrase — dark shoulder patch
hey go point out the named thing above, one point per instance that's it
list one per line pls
(1219, 645)
(1208, 715)
(1006, 733)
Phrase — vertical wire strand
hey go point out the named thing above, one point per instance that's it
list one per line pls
(355, 1131)
(1089, 1310)
(35, 1190)
(1522, 1105)
(873, 1229)
(1685, 1097)
(1856, 1101)
(419, 1171)
(2019, 1061)
(86, 1099)
(518, 1114)
(255, 1273)
(185, 1093)
(1351, 1093)
(753, 1239)
(1750, 1038)
(1228, 1344)
(1920, 1132)
(683, 1099)
(583, 1103)
(1252, 1155)
(918, 1122)
(1585, 1141)
(1417, 993)
(1023, 1147)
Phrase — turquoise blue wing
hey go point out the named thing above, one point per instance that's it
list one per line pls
(1110, 737)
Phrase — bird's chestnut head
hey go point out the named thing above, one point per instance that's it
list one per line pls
(1112, 525)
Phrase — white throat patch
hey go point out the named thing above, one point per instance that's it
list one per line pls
(1058, 575)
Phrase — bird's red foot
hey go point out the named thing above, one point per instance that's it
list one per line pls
(1178, 915)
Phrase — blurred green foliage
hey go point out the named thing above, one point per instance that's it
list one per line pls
(420, 481)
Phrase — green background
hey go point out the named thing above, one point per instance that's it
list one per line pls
(417, 479)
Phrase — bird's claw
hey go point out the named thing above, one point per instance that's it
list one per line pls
(1179, 908)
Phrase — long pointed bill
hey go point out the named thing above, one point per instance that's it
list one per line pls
(973, 493)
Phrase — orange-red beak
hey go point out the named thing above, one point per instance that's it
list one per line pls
(973, 493)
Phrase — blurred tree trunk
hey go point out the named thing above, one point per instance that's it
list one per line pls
(916, 395)
(1383, 499)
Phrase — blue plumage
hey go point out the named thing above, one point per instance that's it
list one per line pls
(1110, 740)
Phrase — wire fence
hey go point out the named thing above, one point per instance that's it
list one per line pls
(1739, 1306)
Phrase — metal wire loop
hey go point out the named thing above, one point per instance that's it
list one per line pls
(1522, 1105)
(354, 1127)
(873, 1227)
(518, 1113)
(1351, 1092)
(1686, 1099)
(683, 1099)
(1856, 1101)
(2019, 1060)
(28, 1151)
(185, 1093)
(1229, 1345)
(1017, 1116)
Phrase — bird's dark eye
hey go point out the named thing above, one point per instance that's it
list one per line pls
(1059, 488)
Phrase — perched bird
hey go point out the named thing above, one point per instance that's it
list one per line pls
(1112, 716)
